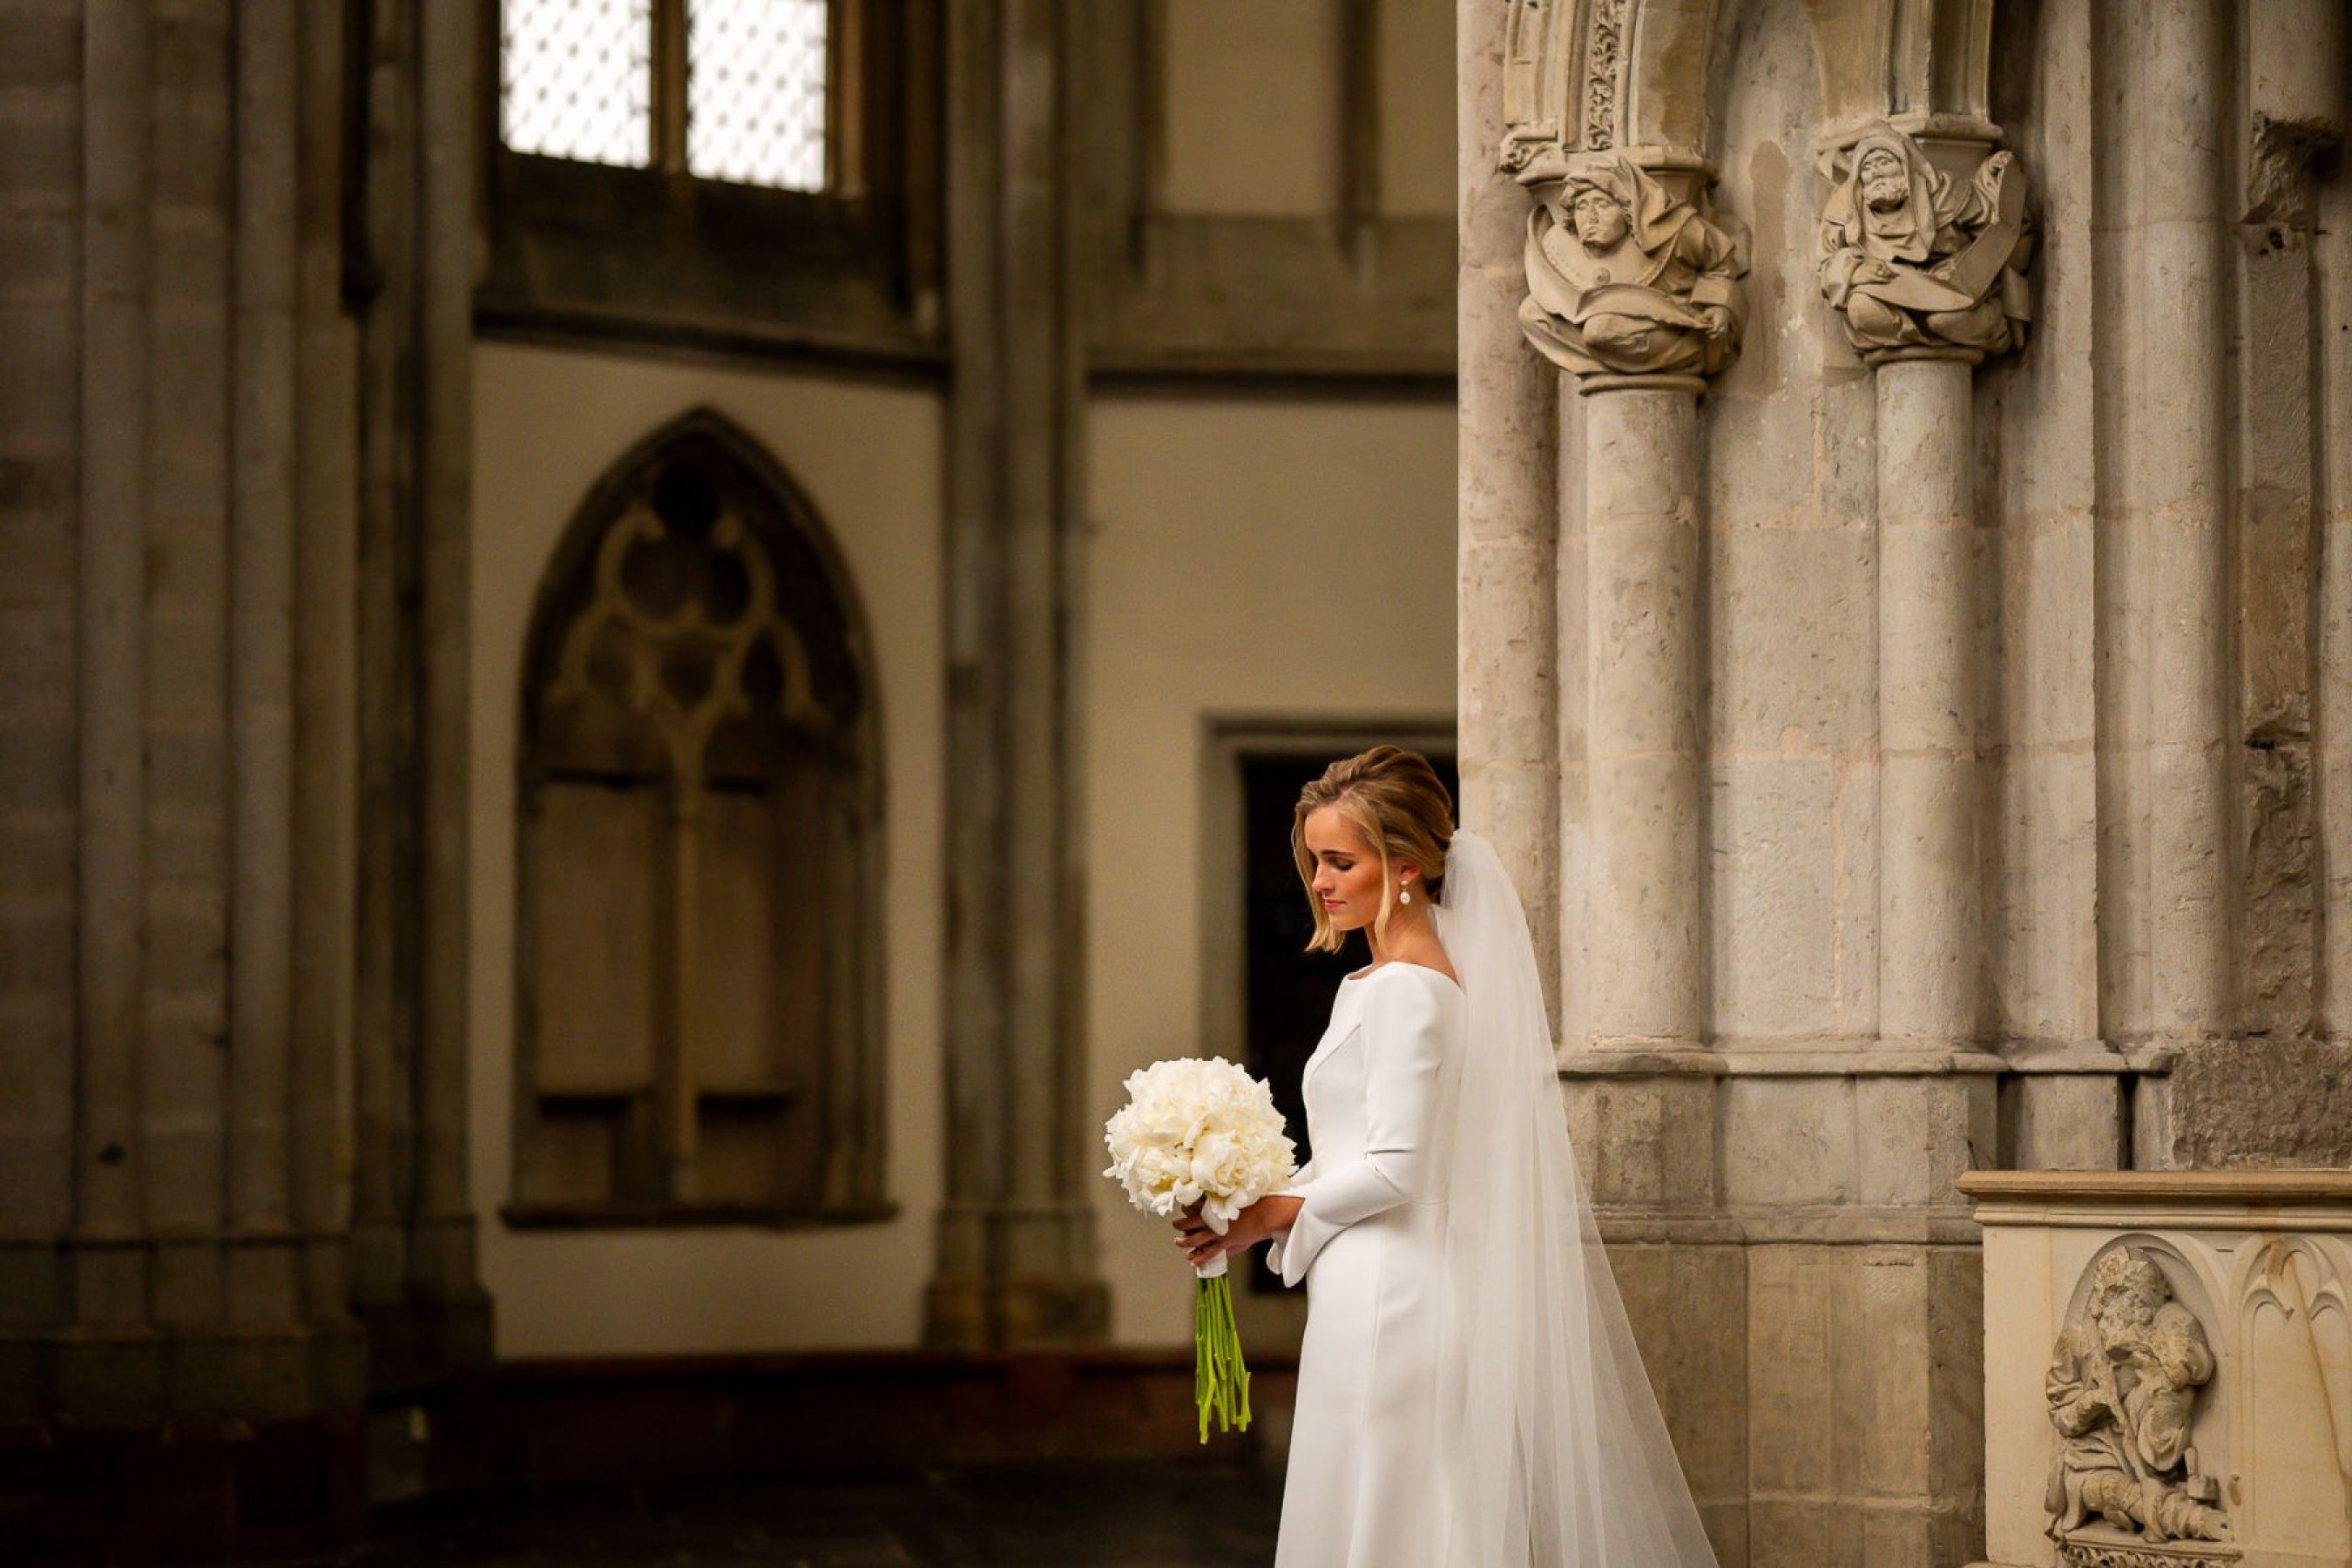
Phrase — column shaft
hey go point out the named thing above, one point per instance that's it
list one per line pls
(111, 699)
(261, 614)
(1928, 897)
(1641, 520)
(2166, 644)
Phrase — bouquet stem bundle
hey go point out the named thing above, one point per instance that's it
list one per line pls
(1203, 1138)
(1220, 1381)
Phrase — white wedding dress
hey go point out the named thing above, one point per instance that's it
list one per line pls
(1469, 1392)
(1364, 1484)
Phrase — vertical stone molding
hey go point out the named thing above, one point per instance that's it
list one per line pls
(110, 1366)
(1016, 1259)
(2165, 892)
(1507, 724)
(415, 1280)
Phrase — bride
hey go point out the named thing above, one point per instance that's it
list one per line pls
(1469, 1395)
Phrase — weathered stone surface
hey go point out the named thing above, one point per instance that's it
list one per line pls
(2258, 1104)
(2062, 1121)
(1644, 1143)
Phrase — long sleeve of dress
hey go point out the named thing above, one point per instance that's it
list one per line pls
(1404, 1045)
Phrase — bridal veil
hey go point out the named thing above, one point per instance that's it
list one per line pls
(1559, 1457)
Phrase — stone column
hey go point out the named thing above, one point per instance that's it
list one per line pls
(1615, 230)
(1923, 239)
(414, 1279)
(1016, 1250)
(1929, 924)
(106, 1275)
(1508, 724)
(1647, 984)
(2164, 675)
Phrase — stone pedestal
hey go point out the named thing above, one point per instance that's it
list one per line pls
(2258, 1270)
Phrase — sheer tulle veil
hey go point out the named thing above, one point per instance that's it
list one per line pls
(1558, 1456)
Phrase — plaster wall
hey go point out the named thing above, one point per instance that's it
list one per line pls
(1290, 558)
(548, 423)
(1257, 107)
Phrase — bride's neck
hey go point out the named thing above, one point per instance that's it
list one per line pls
(1409, 935)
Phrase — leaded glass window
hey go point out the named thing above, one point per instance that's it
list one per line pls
(578, 79)
(720, 89)
(755, 91)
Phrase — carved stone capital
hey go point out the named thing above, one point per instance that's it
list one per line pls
(1917, 262)
(1626, 279)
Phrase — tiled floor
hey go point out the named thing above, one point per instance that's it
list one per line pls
(1108, 1515)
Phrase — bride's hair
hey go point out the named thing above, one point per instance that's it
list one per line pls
(1401, 807)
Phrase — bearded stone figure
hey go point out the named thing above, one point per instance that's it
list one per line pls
(1911, 260)
(2122, 1392)
(1626, 279)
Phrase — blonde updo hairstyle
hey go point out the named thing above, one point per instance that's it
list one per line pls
(1396, 800)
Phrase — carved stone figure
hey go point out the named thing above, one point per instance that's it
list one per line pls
(1626, 279)
(1911, 260)
(2122, 1391)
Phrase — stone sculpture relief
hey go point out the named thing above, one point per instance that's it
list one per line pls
(2122, 1390)
(1913, 262)
(1626, 279)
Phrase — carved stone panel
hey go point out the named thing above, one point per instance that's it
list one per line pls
(2124, 1381)
(2193, 1410)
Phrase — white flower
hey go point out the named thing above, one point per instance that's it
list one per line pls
(1194, 1130)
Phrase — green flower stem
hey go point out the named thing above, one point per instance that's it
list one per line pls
(1220, 1381)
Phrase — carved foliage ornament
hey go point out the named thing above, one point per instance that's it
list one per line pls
(2080, 1554)
(1604, 64)
(1913, 260)
(2122, 1392)
(1564, 69)
(1626, 279)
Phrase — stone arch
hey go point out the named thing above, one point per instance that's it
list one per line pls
(699, 854)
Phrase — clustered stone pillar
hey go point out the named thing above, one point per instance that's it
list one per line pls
(193, 1280)
(178, 796)
(1016, 1259)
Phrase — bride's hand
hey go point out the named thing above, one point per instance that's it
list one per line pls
(1261, 1221)
(1202, 1245)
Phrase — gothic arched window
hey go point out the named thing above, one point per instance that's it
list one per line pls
(700, 867)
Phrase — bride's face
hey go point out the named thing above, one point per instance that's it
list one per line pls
(1346, 869)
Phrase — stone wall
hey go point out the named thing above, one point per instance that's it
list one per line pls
(1925, 732)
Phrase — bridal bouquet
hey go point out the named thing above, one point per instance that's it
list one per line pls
(1206, 1133)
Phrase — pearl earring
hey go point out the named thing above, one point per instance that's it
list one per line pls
(1405, 895)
